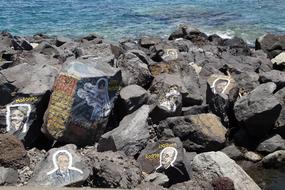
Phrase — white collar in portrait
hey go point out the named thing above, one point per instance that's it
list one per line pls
(69, 163)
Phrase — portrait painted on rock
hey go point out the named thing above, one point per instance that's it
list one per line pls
(63, 172)
(167, 158)
(170, 54)
(220, 85)
(93, 100)
(17, 117)
(169, 99)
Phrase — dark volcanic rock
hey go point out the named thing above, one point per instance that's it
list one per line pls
(278, 77)
(192, 185)
(130, 136)
(223, 183)
(194, 110)
(246, 81)
(132, 97)
(279, 62)
(23, 117)
(154, 158)
(169, 104)
(272, 144)
(112, 169)
(60, 40)
(134, 70)
(212, 165)
(271, 44)
(12, 152)
(259, 110)
(21, 44)
(61, 167)
(237, 46)
(221, 94)
(34, 80)
(187, 82)
(233, 152)
(203, 132)
(280, 124)
(149, 41)
(8, 176)
(274, 160)
(81, 102)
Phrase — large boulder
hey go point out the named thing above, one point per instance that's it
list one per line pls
(169, 103)
(211, 165)
(202, 132)
(259, 110)
(221, 94)
(279, 61)
(192, 185)
(132, 97)
(237, 46)
(12, 152)
(130, 136)
(187, 82)
(112, 169)
(274, 160)
(134, 70)
(278, 77)
(8, 176)
(272, 144)
(271, 44)
(81, 102)
(280, 123)
(61, 167)
(35, 79)
(23, 116)
(167, 157)
(20, 43)
(233, 152)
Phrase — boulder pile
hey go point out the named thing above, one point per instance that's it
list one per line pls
(176, 113)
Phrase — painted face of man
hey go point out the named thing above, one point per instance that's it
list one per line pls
(17, 117)
(62, 162)
(221, 85)
(167, 157)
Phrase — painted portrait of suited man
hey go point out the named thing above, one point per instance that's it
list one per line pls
(63, 172)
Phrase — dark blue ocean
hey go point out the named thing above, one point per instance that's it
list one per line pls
(115, 19)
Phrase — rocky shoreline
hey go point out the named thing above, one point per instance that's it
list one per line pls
(188, 112)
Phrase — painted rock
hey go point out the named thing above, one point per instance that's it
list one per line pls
(166, 156)
(169, 104)
(221, 93)
(61, 167)
(81, 102)
(21, 117)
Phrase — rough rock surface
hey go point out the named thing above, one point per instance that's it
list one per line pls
(259, 110)
(274, 160)
(61, 167)
(81, 102)
(112, 169)
(12, 152)
(8, 176)
(272, 144)
(202, 132)
(130, 136)
(211, 165)
(132, 97)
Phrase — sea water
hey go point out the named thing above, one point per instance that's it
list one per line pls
(116, 19)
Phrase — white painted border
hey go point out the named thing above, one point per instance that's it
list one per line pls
(69, 164)
(172, 162)
(213, 85)
(8, 122)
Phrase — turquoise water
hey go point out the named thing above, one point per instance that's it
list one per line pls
(115, 19)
